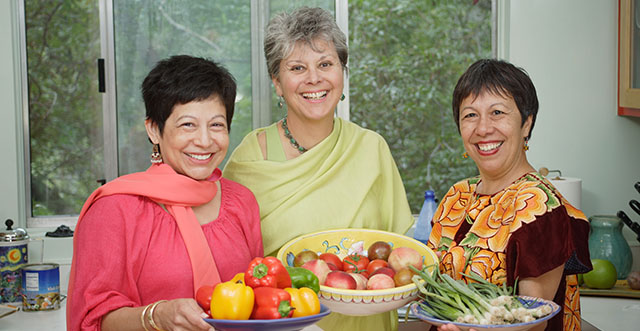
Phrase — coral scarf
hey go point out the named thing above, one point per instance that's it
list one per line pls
(178, 194)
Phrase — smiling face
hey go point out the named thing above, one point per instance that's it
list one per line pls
(195, 138)
(311, 82)
(493, 135)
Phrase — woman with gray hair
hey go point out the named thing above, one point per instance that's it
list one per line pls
(312, 171)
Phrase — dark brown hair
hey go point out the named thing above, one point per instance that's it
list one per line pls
(181, 79)
(500, 78)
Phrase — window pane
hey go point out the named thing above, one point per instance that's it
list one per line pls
(149, 31)
(65, 108)
(405, 59)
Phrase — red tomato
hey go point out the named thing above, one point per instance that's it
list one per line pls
(331, 258)
(375, 265)
(203, 298)
(355, 263)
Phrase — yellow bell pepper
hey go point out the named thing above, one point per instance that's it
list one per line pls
(232, 300)
(304, 300)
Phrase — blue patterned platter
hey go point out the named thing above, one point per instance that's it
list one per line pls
(283, 324)
(533, 302)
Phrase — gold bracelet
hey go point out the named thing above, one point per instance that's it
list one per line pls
(151, 321)
(144, 312)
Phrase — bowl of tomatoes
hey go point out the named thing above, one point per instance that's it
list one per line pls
(361, 271)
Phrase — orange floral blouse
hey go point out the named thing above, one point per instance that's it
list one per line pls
(523, 231)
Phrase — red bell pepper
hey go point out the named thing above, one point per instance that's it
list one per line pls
(271, 303)
(267, 272)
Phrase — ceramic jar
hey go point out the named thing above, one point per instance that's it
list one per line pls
(607, 243)
(13, 256)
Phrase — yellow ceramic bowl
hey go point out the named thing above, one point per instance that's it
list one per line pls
(343, 242)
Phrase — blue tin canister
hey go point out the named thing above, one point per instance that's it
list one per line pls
(40, 287)
(13, 256)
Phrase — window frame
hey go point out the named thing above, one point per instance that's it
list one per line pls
(260, 81)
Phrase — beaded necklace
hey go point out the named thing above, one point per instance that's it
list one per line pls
(292, 140)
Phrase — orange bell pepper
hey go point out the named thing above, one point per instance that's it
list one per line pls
(304, 301)
(232, 300)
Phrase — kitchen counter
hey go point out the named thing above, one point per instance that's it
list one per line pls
(608, 313)
(35, 320)
(599, 313)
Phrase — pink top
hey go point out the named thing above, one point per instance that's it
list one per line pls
(130, 252)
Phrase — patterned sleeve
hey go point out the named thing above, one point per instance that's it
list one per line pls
(447, 216)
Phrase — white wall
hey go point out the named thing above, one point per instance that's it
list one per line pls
(569, 48)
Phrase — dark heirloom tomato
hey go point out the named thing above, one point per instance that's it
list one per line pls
(379, 250)
(355, 263)
(331, 258)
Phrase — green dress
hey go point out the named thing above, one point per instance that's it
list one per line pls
(349, 180)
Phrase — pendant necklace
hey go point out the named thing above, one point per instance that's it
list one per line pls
(292, 140)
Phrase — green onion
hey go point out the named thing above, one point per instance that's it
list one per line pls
(479, 302)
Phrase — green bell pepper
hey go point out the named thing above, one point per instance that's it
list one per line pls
(301, 277)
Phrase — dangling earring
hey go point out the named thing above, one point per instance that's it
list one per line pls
(465, 155)
(526, 144)
(280, 102)
(156, 157)
(342, 97)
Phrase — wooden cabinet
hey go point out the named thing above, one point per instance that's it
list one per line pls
(629, 57)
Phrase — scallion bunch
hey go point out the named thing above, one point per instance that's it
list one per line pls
(479, 302)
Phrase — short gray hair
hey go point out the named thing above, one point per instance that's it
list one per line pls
(303, 24)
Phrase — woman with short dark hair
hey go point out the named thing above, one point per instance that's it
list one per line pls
(509, 223)
(146, 242)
